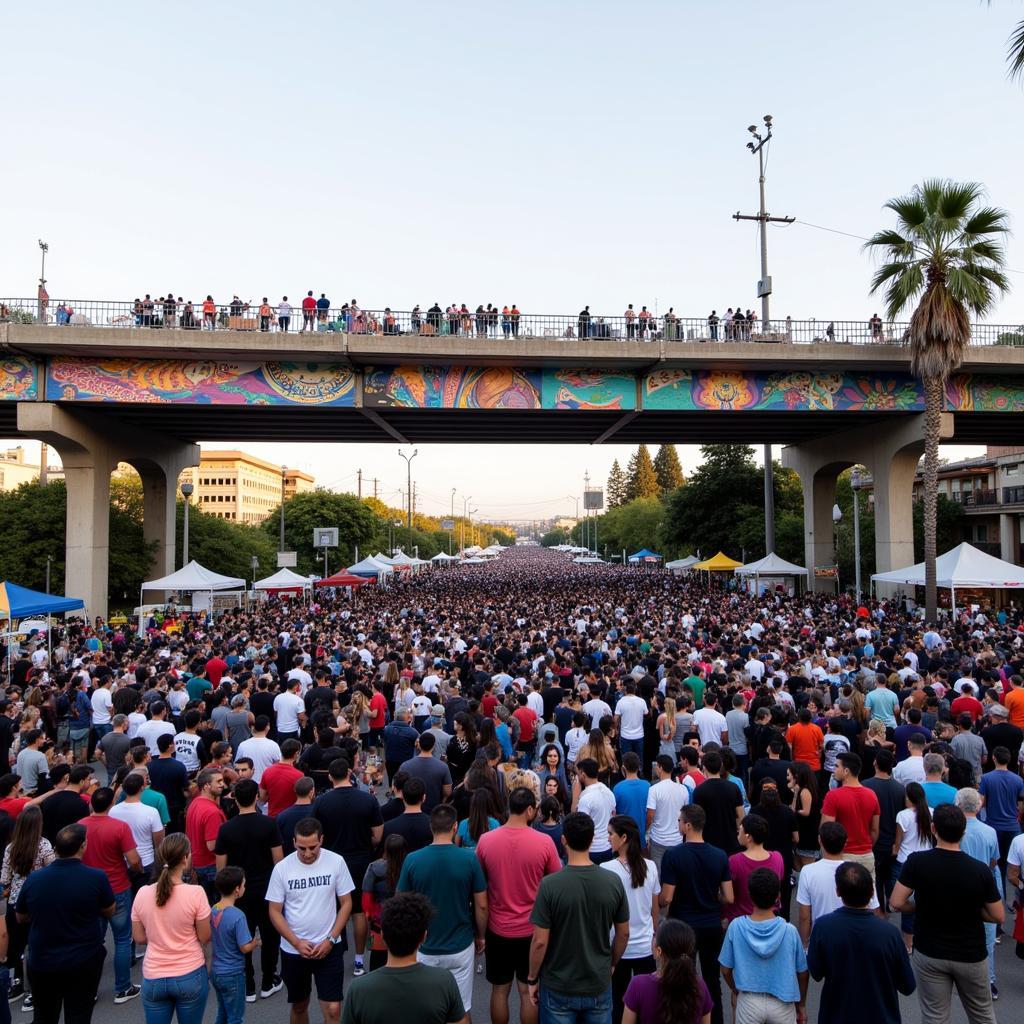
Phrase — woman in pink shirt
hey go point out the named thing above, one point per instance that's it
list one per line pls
(753, 834)
(173, 919)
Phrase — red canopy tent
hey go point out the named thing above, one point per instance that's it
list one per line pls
(343, 579)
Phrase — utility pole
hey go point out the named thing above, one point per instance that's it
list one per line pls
(764, 290)
(359, 486)
(451, 533)
(408, 467)
(375, 488)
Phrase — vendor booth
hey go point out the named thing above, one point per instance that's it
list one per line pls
(769, 573)
(197, 580)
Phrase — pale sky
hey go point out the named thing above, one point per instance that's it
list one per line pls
(552, 153)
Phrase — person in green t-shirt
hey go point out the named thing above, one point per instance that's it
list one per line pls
(696, 685)
(414, 992)
(198, 685)
(572, 954)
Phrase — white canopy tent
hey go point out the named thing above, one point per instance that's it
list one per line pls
(771, 567)
(588, 560)
(962, 566)
(369, 566)
(442, 557)
(682, 564)
(284, 579)
(190, 578)
(474, 560)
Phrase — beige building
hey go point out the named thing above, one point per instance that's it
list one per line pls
(241, 487)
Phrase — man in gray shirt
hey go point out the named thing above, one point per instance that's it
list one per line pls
(32, 764)
(433, 773)
(736, 721)
(441, 738)
(969, 746)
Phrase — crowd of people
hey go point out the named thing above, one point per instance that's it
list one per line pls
(621, 795)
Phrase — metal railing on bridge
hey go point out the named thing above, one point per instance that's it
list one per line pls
(481, 323)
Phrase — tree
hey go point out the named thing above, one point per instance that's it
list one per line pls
(944, 257)
(616, 486)
(224, 546)
(559, 535)
(643, 481)
(667, 469)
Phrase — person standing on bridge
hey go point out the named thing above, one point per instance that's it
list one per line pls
(323, 305)
(584, 322)
(308, 313)
(284, 314)
(630, 316)
(266, 313)
(514, 316)
(209, 313)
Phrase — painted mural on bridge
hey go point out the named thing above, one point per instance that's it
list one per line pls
(464, 387)
(804, 391)
(179, 381)
(19, 379)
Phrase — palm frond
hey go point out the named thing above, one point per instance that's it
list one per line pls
(989, 220)
(1015, 52)
(903, 288)
(940, 331)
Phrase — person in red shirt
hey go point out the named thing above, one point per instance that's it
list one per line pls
(856, 808)
(215, 669)
(309, 312)
(277, 783)
(110, 847)
(488, 702)
(12, 803)
(203, 820)
(806, 740)
(378, 716)
(967, 704)
(527, 719)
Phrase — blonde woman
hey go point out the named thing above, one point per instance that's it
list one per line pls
(667, 729)
(358, 716)
(600, 750)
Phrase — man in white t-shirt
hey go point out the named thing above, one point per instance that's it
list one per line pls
(816, 890)
(754, 667)
(431, 682)
(144, 821)
(262, 751)
(310, 900)
(629, 717)
(156, 727)
(665, 799)
(102, 707)
(710, 723)
(595, 709)
(299, 672)
(290, 712)
(596, 800)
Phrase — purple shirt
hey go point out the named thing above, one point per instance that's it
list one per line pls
(742, 867)
(642, 998)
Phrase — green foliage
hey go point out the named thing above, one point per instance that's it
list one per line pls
(634, 525)
(616, 491)
(667, 469)
(304, 513)
(948, 527)
(559, 535)
(223, 546)
(642, 481)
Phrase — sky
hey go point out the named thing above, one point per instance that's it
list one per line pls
(554, 154)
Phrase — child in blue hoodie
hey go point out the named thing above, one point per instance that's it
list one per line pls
(763, 960)
(231, 941)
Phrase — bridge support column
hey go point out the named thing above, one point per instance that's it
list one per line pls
(890, 454)
(90, 448)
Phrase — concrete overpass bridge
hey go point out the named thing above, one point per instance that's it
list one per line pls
(100, 395)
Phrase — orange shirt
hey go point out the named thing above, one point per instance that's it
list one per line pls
(1014, 702)
(806, 742)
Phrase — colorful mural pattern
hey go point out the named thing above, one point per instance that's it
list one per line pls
(451, 387)
(19, 380)
(805, 391)
(178, 381)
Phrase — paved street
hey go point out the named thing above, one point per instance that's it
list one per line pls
(1009, 1008)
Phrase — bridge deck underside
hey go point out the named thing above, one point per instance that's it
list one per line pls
(215, 423)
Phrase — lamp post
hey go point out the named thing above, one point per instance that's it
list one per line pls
(451, 532)
(465, 507)
(408, 493)
(837, 518)
(472, 533)
(856, 483)
(49, 562)
(186, 492)
(255, 564)
(284, 475)
(761, 138)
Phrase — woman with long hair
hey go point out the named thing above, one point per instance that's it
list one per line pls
(639, 878)
(807, 807)
(379, 884)
(461, 750)
(549, 821)
(357, 714)
(27, 851)
(673, 994)
(478, 822)
(667, 729)
(874, 740)
(600, 750)
(554, 788)
(913, 834)
(753, 837)
(173, 919)
(551, 765)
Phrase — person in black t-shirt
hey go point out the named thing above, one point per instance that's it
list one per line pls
(67, 806)
(722, 803)
(412, 824)
(251, 841)
(291, 816)
(353, 827)
(953, 896)
(891, 801)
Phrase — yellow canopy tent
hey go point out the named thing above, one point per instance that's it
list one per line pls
(718, 563)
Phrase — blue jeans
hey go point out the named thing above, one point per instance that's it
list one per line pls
(206, 877)
(230, 990)
(906, 920)
(185, 995)
(121, 926)
(5, 986)
(101, 730)
(634, 746)
(563, 1008)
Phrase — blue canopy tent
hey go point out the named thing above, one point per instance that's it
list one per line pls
(20, 602)
(644, 555)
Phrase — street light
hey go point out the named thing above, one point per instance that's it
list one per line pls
(465, 506)
(186, 492)
(856, 483)
(408, 468)
(284, 475)
(255, 563)
(472, 535)
(451, 532)
(837, 518)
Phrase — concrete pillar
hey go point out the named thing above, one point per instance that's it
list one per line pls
(90, 448)
(890, 451)
(1007, 540)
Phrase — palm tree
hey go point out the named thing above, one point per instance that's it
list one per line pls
(945, 256)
